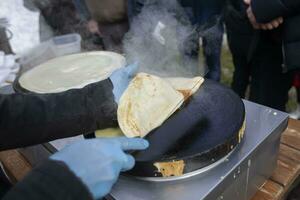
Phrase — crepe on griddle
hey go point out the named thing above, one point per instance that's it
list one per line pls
(145, 105)
(186, 86)
(150, 100)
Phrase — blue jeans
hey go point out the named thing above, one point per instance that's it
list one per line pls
(207, 13)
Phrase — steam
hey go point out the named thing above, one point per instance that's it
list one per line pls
(162, 39)
(157, 39)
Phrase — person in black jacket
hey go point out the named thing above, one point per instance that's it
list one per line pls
(84, 170)
(262, 12)
(34, 119)
(257, 56)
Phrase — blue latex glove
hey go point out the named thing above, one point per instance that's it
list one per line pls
(98, 162)
(121, 79)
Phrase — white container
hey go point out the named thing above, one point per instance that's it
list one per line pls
(66, 44)
(55, 47)
(36, 56)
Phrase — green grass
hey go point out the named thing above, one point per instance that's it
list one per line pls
(227, 67)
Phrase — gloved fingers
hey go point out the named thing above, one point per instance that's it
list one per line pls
(133, 143)
(132, 69)
(129, 163)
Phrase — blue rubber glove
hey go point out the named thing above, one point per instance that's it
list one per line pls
(98, 162)
(121, 79)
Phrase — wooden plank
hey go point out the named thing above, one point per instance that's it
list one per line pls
(291, 137)
(288, 168)
(289, 153)
(283, 177)
(283, 173)
(15, 164)
(290, 156)
(269, 191)
(294, 124)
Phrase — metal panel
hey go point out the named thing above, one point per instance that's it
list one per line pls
(229, 179)
(263, 162)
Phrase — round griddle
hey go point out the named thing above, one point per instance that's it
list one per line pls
(18, 88)
(204, 130)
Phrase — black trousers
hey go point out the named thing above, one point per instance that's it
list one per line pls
(269, 85)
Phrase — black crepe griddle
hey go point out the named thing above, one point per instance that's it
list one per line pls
(204, 130)
(18, 88)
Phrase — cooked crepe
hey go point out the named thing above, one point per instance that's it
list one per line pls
(71, 72)
(187, 86)
(109, 133)
(146, 104)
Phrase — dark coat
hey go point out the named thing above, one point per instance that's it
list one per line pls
(51, 181)
(267, 10)
(29, 119)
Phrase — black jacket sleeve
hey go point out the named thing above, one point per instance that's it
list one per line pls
(51, 181)
(267, 10)
(28, 119)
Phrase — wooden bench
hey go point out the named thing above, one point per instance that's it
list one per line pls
(276, 188)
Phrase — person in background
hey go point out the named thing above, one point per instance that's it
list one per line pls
(105, 18)
(85, 15)
(239, 35)
(29, 119)
(205, 15)
(201, 13)
(269, 15)
(63, 18)
(257, 56)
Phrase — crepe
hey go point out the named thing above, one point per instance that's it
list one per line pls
(71, 72)
(186, 86)
(109, 133)
(146, 104)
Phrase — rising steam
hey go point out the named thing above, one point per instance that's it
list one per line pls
(157, 39)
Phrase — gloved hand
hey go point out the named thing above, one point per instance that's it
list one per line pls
(98, 162)
(121, 79)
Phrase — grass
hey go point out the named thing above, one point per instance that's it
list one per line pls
(227, 67)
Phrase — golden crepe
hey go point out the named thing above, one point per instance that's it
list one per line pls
(146, 104)
(187, 86)
(71, 72)
(109, 133)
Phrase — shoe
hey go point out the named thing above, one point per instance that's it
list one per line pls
(296, 113)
